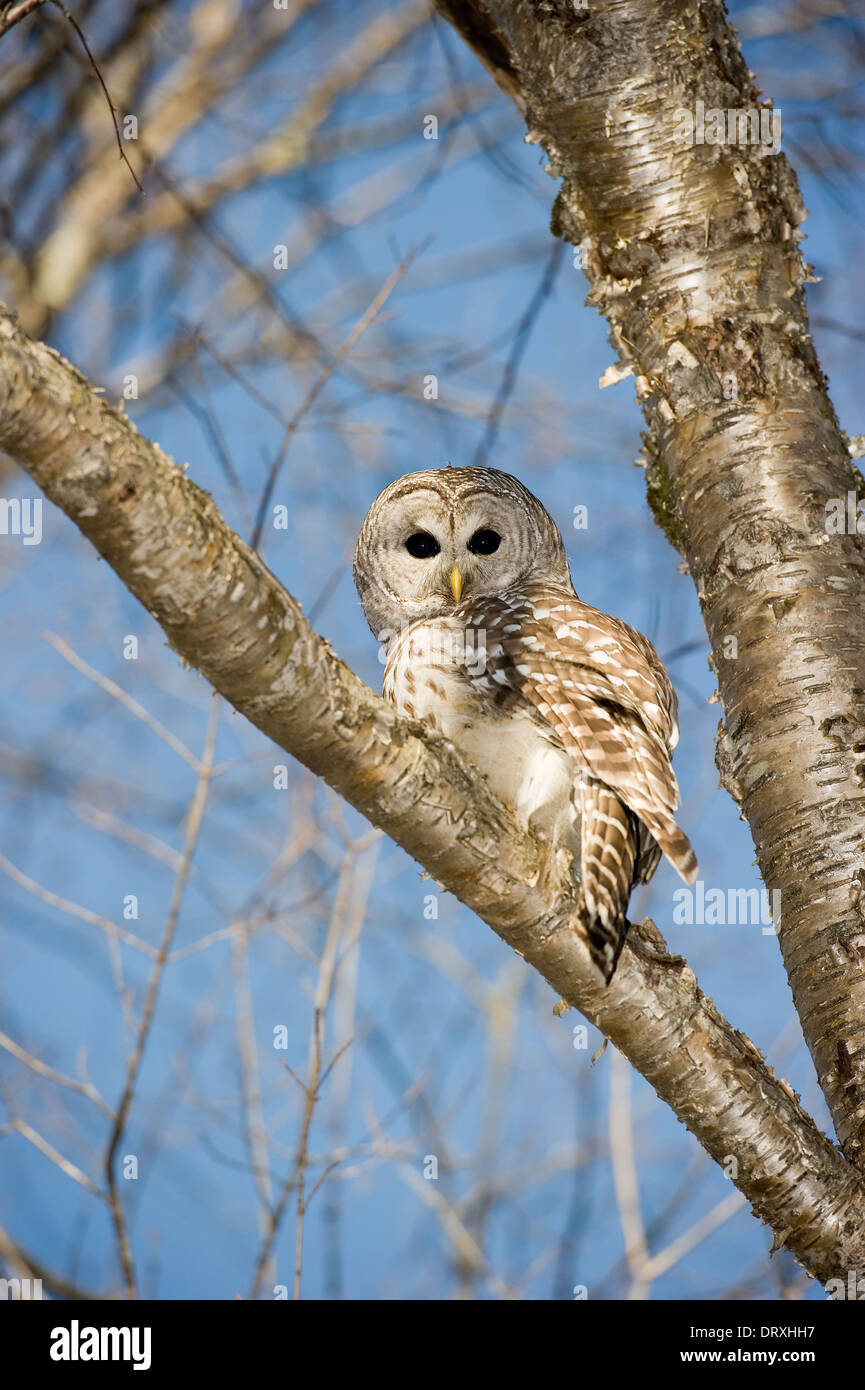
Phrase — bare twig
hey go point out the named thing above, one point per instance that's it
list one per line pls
(512, 366)
(73, 22)
(17, 13)
(256, 1131)
(66, 1166)
(118, 693)
(317, 1073)
(13, 1254)
(84, 1088)
(196, 812)
(327, 371)
(83, 914)
(625, 1181)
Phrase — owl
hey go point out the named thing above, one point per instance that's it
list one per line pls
(567, 712)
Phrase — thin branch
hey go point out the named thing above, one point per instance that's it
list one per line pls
(118, 693)
(685, 1243)
(456, 1230)
(256, 1132)
(83, 914)
(66, 1166)
(366, 319)
(626, 1183)
(515, 357)
(196, 813)
(84, 1088)
(73, 22)
(19, 12)
(317, 1073)
(13, 1254)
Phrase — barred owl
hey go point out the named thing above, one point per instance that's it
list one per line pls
(568, 712)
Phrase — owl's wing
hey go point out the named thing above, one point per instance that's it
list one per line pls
(603, 689)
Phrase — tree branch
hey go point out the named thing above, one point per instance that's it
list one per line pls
(226, 614)
(13, 14)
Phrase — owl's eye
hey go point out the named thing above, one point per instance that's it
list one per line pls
(422, 545)
(484, 542)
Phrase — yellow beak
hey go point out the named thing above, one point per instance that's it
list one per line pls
(456, 583)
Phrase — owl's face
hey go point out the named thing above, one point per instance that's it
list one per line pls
(436, 538)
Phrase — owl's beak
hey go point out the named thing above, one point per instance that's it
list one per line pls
(456, 583)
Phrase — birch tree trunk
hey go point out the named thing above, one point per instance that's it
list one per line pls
(692, 253)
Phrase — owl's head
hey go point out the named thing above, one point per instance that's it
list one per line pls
(436, 538)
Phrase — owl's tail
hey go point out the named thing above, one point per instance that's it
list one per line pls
(676, 846)
(618, 849)
(609, 844)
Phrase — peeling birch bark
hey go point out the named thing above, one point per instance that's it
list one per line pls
(225, 613)
(692, 254)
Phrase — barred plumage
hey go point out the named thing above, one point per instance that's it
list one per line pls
(569, 712)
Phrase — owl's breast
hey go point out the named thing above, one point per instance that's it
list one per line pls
(438, 671)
